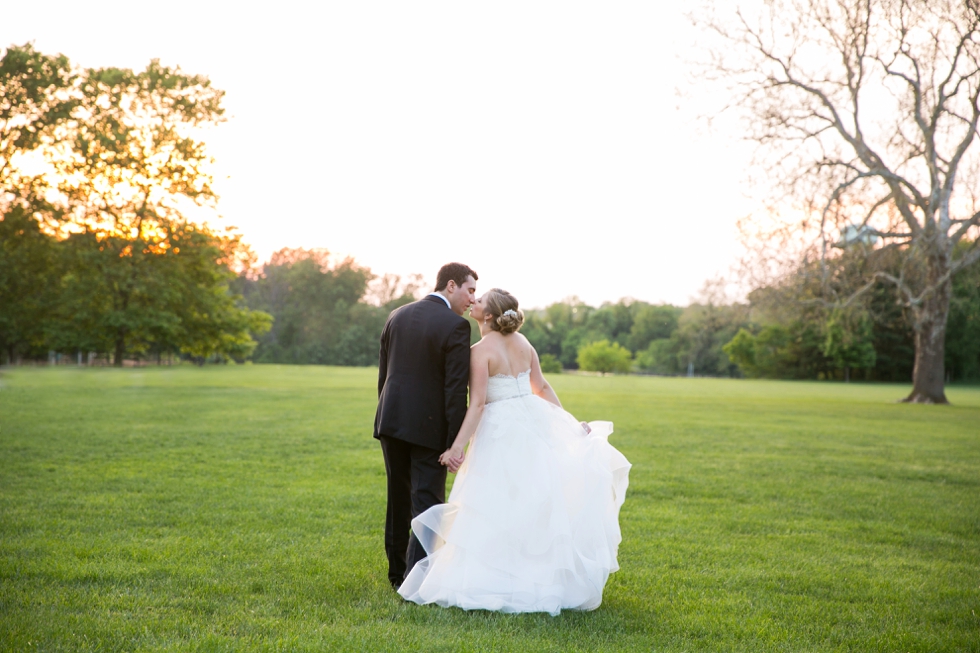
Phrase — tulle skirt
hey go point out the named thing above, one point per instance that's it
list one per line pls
(532, 522)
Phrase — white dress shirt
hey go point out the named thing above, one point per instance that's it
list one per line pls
(442, 297)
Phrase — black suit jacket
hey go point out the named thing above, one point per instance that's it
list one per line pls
(423, 372)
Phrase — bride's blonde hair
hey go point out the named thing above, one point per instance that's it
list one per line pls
(503, 310)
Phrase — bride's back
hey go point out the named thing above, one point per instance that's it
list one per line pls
(508, 354)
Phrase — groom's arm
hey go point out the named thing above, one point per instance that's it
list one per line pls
(457, 375)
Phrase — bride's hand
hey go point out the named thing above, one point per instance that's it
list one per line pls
(585, 425)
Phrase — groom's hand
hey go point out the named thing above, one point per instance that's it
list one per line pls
(455, 463)
(452, 458)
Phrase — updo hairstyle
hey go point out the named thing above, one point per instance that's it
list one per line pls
(498, 303)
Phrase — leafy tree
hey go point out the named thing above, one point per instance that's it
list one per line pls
(775, 351)
(652, 323)
(613, 321)
(703, 330)
(559, 330)
(134, 162)
(605, 357)
(660, 357)
(741, 351)
(184, 292)
(35, 104)
(849, 341)
(797, 302)
(963, 329)
(573, 341)
(28, 268)
(892, 336)
(319, 309)
(212, 320)
(119, 165)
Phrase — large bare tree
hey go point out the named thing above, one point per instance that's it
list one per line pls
(866, 115)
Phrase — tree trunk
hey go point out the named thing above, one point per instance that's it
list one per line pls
(847, 374)
(928, 375)
(120, 349)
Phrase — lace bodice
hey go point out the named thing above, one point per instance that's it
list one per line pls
(505, 386)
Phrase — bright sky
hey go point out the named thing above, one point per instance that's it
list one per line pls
(541, 143)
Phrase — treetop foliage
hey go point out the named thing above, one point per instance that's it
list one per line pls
(104, 163)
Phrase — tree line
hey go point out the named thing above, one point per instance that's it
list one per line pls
(798, 330)
(101, 168)
(781, 331)
(323, 313)
(302, 308)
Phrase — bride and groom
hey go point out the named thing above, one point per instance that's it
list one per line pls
(532, 523)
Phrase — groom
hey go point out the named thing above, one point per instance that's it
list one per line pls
(424, 369)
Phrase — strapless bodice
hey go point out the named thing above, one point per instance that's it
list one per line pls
(505, 386)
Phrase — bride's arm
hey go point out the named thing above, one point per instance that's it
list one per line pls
(479, 378)
(542, 388)
(539, 385)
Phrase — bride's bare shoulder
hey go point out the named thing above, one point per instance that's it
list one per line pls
(522, 341)
(485, 345)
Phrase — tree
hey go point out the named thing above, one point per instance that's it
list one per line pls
(652, 323)
(134, 165)
(117, 166)
(319, 315)
(392, 291)
(33, 105)
(769, 353)
(866, 114)
(559, 330)
(963, 332)
(605, 357)
(703, 330)
(741, 351)
(660, 357)
(849, 341)
(27, 269)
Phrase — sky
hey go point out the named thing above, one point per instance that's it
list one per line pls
(544, 144)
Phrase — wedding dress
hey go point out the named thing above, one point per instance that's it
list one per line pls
(532, 522)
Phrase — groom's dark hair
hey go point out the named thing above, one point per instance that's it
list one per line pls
(455, 271)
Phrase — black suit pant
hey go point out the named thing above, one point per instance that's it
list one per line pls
(416, 482)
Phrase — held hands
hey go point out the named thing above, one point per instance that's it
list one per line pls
(452, 458)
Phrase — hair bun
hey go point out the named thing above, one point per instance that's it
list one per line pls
(501, 303)
(510, 321)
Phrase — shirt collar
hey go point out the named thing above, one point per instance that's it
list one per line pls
(442, 297)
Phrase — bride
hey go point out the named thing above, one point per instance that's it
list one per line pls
(532, 522)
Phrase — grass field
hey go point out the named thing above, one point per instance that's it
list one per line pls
(241, 509)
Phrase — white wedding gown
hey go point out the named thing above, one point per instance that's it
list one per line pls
(532, 522)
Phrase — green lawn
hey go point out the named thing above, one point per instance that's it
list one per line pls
(241, 509)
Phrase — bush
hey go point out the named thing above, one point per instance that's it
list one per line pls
(550, 364)
(603, 356)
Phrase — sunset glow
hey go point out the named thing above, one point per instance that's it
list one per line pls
(543, 144)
